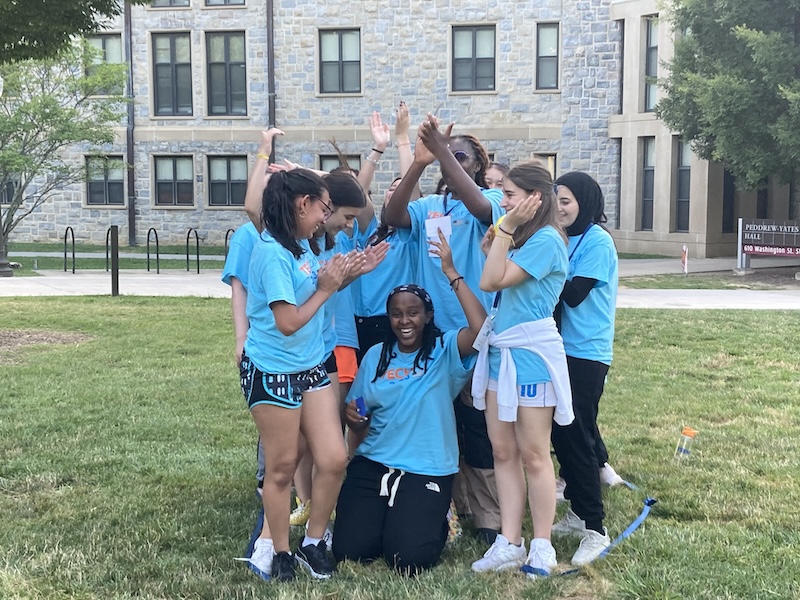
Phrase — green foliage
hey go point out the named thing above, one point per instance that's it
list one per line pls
(733, 89)
(47, 106)
(36, 29)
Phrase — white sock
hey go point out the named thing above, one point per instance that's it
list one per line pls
(312, 541)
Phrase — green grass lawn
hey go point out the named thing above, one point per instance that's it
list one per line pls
(127, 462)
(81, 247)
(49, 263)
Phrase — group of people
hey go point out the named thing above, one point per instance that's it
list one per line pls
(461, 332)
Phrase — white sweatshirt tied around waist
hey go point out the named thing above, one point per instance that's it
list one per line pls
(540, 337)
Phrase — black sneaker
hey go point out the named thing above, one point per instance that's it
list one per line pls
(283, 565)
(316, 559)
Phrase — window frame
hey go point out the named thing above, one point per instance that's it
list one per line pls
(648, 180)
(324, 160)
(223, 3)
(228, 181)
(12, 183)
(554, 58)
(174, 182)
(473, 61)
(650, 64)
(683, 180)
(171, 4)
(228, 67)
(173, 67)
(106, 182)
(340, 62)
(549, 160)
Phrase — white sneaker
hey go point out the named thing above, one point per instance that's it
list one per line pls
(541, 559)
(609, 477)
(571, 524)
(261, 560)
(561, 485)
(592, 545)
(501, 556)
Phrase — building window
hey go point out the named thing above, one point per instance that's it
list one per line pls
(224, 2)
(549, 161)
(8, 189)
(108, 51)
(228, 184)
(473, 59)
(682, 187)
(329, 162)
(174, 181)
(547, 56)
(169, 3)
(651, 64)
(227, 78)
(172, 74)
(728, 202)
(340, 61)
(105, 177)
(648, 181)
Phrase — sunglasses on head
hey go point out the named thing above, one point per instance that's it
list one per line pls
(461, 156)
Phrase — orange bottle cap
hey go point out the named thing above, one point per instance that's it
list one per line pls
(689, 432)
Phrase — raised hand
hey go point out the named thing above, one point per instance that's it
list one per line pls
(266, 139)
(374, 255)
(522, 212)
(357, 262)
(403, 122)
(486, 242)
(435, 140)
(442, 249)
(379, 131)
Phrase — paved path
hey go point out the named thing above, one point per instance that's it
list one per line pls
(208, 284)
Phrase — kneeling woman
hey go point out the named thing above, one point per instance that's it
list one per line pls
(394, 500)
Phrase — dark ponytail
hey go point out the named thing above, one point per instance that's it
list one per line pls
(278, 209)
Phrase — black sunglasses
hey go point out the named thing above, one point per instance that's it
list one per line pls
(461, 156)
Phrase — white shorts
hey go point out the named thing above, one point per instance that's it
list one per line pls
(537, 395)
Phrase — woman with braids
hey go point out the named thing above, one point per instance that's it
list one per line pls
(521, 377)
(282, 375)
(394, 501)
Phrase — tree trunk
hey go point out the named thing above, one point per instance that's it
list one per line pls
(5, 268)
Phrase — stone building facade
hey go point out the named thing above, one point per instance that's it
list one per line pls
(538, 78)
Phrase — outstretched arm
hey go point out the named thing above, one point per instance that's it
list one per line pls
(403, 143)
(259, 176)
(396, 212)
(458, 180)
(472, 307)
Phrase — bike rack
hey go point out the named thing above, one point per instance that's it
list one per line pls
(197, 248)
(71, 232)
(158, 264)
(227, 234)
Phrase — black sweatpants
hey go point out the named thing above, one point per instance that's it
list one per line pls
(577, 445)
(397, 515)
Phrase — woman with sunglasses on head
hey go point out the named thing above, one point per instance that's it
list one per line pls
(521, 376)
(469, 208)
(586, 313)
(283, 378)
(393, 503)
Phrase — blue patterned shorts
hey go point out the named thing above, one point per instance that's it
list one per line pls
(279, 389)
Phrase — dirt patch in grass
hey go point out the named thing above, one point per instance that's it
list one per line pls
(12, 340)
(780, 278)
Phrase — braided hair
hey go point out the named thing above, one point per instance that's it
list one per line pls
(430, 333)
(480, 155)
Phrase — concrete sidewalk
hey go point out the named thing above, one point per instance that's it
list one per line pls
(208, 285)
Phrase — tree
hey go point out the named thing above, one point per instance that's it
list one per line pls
(36, 29)
(46, 107)
(734, 87)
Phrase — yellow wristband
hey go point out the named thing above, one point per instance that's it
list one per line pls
(262, 155)
(503, 236)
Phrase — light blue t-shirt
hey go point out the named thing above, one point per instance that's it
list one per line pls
(465, 243)
(370, 291)
(237, 263)
(275, 275)
(588, 329)
(344, 320)
(544, 258)
(413, 425)
(329, 339)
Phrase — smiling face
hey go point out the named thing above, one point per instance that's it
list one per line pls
(568, 207)
(407, 318)
(342, 218)
(494, 178)
(311, 214)
(513, 194)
